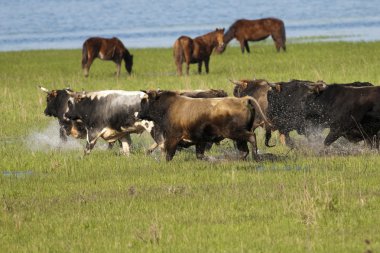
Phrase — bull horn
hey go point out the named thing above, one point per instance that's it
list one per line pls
(273, 85)
(71, 93)
(236, 82)
(44, 89)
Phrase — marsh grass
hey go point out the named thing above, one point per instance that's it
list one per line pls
(55, 200)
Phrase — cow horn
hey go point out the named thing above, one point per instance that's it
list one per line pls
(44, 89)
(273, 85)
(71, 93)
(236, 82)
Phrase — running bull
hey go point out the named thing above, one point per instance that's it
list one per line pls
(201, 120)
(107, 114)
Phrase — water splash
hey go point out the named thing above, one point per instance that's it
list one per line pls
(48, 139)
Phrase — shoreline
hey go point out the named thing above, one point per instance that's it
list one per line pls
(234, 43)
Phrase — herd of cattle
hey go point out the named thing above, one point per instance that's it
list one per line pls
(202, 117)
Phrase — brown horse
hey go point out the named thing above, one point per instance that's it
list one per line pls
(197, 50)
(254, 30)
(106, 49)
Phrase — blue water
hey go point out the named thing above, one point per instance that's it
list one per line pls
(45, 24)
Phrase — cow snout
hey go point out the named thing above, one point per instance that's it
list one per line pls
(47, 113)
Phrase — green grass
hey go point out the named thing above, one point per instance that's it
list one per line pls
(108, 203)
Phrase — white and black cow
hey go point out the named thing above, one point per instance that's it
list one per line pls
(107, 114)
(56, 106)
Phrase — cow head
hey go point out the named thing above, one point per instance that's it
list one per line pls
(56, 102)
(148, 103)
(247, 87)
(72, 112)
(316, 87)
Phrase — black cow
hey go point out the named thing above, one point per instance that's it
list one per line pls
(107, 114)
(351, 112)
(201, 120)
(56, 106)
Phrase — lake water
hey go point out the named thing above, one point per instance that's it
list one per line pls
(45, 24)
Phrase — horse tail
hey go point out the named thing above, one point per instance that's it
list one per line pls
(228, 36)
(283, 36)
(128, 60)
(84, 54)
(178, 53)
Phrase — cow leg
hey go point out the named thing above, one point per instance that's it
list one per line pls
(92, 138)
(252, 140)
(200, 150)
(243, 149)
(207, 61)
(246, 46)
(170, 147)
(332, 136)
(126, 142)
(62, 134)
(288, 141)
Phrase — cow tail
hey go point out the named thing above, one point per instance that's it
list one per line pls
(253, 102)
(84, 55)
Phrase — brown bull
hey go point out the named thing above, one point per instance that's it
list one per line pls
(202, 120)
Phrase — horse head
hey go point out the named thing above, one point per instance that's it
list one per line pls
(219, 39)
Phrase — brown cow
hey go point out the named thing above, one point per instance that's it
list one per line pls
(245, 30)
(157, 133)
(202, 120)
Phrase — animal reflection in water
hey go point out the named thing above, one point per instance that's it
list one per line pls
(197, 50)
(105, 49)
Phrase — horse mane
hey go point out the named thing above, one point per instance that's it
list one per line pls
(230, 34)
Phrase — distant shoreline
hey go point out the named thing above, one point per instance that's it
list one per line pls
(234, 43)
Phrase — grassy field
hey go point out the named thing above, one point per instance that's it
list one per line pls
(56, 200)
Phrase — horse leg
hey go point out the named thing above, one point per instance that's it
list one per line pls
(246, 46)
(179, 68)
(207, 60)
(199, 67)
(242, 46)
(187, 68)
(87, 66)
(118, 68)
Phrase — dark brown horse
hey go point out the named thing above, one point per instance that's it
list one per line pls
(197, 50)
(105, 49)
(245, 30)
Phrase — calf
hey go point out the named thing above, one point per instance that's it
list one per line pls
(108, 114)
(201, 120)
